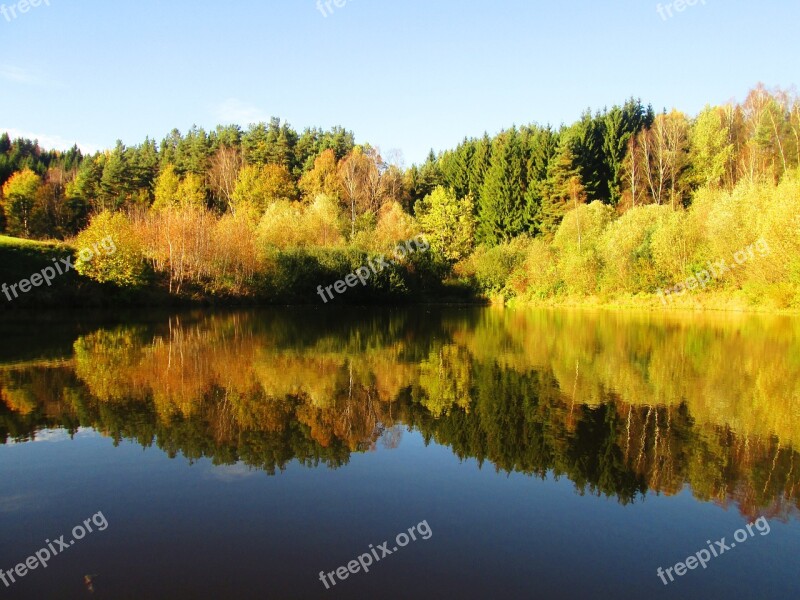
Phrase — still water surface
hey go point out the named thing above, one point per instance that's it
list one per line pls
(552, 454)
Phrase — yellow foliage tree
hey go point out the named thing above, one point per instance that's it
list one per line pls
(109, 250)
(260, 186)
(626, 248)
(172, 191)
(323, 178)
(19, 193)
(577, 243)
(323, 220)
(394, 225)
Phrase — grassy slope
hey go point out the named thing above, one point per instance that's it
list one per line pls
(19, 259)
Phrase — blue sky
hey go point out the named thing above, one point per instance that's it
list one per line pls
(404, 74)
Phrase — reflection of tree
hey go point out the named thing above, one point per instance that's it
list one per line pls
(444, 379)
(618, 406)
(391, 438)
(32, 397)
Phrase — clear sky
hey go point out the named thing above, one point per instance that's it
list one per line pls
(404, 74)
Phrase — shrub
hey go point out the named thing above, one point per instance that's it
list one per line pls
(235, 257)
(288, 224)
(576, 242)
(775, 273)
(538, 275)
(280, 227)
(491, 268)
(675, 242)
(627, 250)
(110, 251)
(394, 226)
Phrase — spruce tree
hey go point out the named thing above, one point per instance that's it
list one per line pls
(502, 204)
(481, 159)
(587, 146)
(620, 125)
(116, 181)
(541, 148)
(562, 173)
(457, 166)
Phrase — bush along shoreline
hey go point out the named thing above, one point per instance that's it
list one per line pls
(292, 277)
(737, 250)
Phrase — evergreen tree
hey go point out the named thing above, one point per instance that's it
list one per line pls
(116, 184)
(423, 180)
(84, 189)
(193, 152)
(562, 175)
(306, 150)
(168, 150)
(283, 150)
(463, 168)
(72, 158)
(255, 143)
(339, 140)
(586, 140)
(541, 147)
(620, 124)
(482, 156)
(456, 166)
(5, 143)
(225, 135)
(502, 211)
(143, 165)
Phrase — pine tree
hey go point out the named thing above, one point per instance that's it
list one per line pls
(5, 143)
(143, 164)
(620, 126)
(225, 135)
(541, 148)
(423, 180)
(502, 205)
(168, 149)
(456, 166)
(481, 159)
(560, 188)
(255, 143)
(116, 182)
(284, 151)
(193, 152)
(586, 138)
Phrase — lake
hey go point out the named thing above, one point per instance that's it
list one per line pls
(399, 453)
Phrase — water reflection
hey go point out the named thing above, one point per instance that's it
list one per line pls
(622, 405)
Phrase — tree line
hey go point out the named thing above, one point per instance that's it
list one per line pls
(269, 188)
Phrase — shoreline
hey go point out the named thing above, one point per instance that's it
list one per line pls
(719, 303)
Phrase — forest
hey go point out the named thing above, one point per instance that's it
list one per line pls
(615, 207)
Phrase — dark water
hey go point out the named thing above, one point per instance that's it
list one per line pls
(537, 454)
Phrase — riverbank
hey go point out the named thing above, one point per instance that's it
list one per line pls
(735, 301)
(292, 277)
(295, 277)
